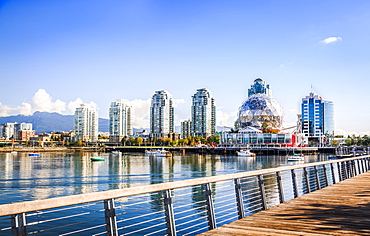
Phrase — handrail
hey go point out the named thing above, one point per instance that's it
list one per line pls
(30, 206)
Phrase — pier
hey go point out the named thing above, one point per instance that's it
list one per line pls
(198, 205)
(340, 209)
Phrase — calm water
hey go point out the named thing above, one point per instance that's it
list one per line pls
(59, 174)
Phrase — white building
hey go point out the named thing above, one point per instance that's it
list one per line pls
(203, 113)
(161, 114)
(119, 120)
(11, 130)
(86, 123)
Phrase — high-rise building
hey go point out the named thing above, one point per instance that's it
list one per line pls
(161, 114)
(317, 116)
(203, 113)
(119, 120)
(185, 128)
(86, 123)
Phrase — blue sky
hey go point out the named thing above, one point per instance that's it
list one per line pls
(56, 54)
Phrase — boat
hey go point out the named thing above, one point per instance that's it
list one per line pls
(14, 152)
(297, 157)
(158, 153)
(116, 152)
(245, 153)
(33, 154)
(97, 159)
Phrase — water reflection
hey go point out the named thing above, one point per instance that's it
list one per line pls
(60, 174)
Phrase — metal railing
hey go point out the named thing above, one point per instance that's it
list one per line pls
(185, 207)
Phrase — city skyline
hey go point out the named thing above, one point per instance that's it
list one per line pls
(58, 55)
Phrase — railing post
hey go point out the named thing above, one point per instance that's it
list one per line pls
(325, 176)
(239, 198)
(110, 218)
(307, 179)
(280, 187)
(294, 182)
(168, 209)
(210, 207)
(349, 169)
(18, 223)
(261, 185)
(317, 177)
(339, 167)
(363, 165)
(332, 172)
(344, 170)
(354, 171)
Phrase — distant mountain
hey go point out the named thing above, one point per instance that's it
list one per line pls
(50, 122)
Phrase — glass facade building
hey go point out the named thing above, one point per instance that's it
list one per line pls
(317, 116)
(260, 110)
(86, 123)
(203, 113)
(119, 120)
(161, 114)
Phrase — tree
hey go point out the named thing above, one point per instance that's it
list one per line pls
(334, 143)
(131, 141)
(124, 140)
(139, 140)
(168, 141)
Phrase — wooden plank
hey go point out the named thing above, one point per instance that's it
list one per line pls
(341, 209)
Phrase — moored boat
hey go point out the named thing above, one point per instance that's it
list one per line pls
(158, 153)
(246, 153)
(295, 158)
(97, 159)
(33, 154)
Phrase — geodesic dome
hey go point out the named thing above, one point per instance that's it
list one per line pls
(259, 110)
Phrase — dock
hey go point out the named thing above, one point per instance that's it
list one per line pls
(339, 209)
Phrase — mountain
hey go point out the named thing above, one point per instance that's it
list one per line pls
(50, 122)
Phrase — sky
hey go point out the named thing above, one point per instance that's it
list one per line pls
(55, 55)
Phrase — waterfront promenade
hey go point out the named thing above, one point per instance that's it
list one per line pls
(339, 209)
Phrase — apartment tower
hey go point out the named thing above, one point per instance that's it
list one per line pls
(119, 120)
(161, 114)
(86, 123)
(203, 113)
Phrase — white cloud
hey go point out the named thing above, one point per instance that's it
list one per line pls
(42, 101)
(140, 113)
(331, 40)
(4, 110)
(225, 119)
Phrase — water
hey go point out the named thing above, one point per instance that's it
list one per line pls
(24, 178)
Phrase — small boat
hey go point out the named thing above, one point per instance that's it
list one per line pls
(296, 158)
(158, 153)
(116, 152)
(14, 152)
(33, 154)
(97, 159)
(246, 153)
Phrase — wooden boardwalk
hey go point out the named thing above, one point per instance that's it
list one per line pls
(340, 209)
